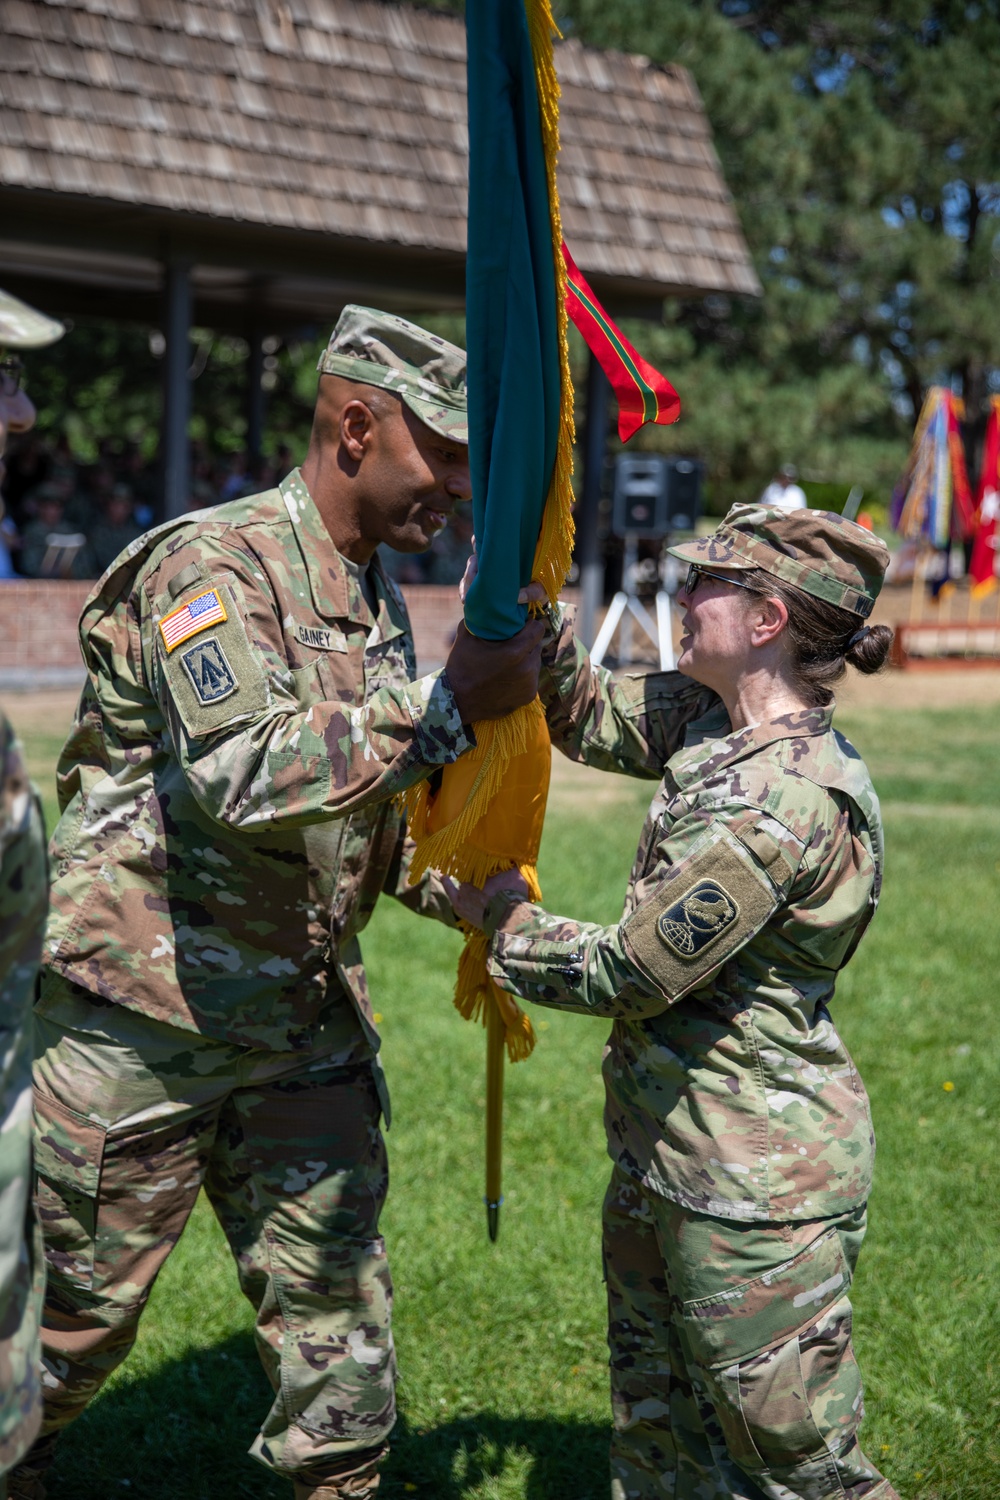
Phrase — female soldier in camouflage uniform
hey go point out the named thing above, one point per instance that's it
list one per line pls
(738, 1125)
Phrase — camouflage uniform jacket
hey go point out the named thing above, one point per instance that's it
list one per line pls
(22, 924)
(227, 789)
(728, 1089)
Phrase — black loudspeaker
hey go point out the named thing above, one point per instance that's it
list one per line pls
(654, 495)
(639, 503)
(684, 493)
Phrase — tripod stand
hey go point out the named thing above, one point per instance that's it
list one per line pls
(626, 607)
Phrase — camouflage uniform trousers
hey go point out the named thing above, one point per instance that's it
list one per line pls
(133, 1117)
(732, 1373)
(20, 1398)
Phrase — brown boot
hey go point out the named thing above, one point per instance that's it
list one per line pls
(27, 1480)
(338, 1489)
(353, 1478)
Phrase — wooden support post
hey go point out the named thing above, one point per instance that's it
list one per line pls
(919, 582)
(255, 395)
(176, 388)
(588, 514)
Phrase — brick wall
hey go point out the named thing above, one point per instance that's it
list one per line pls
(38, 623)
(434, 611)
(38, 640)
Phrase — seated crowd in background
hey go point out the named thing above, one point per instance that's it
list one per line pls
(63, 518)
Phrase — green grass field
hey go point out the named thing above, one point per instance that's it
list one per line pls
(501, 1348)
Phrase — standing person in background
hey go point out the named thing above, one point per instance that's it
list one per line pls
(237, 478)
(251, 713)
(23, 903)
(284, 463)
(738, 1126)
(133, 471)
(784, 493)
(115, 530)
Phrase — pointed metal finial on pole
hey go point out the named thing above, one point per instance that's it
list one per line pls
(493, 1218)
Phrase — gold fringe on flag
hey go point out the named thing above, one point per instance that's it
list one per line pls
(453, 835)
(555, 542)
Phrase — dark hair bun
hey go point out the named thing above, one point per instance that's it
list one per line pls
(871, 653)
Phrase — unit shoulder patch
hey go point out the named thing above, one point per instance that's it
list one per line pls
(700, 913)
(191, 618)
(208, 668)
(698, 918)
(220, 677)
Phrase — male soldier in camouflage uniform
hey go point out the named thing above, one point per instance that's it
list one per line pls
(23, 902)
(250, 713)
(738, 1125)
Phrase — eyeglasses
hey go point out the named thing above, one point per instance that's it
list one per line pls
(696, 573)
(11, 372)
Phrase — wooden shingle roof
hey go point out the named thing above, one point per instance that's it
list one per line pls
(346, 119)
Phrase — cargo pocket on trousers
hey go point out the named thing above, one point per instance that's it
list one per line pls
(775, 1358)
(68, 1150)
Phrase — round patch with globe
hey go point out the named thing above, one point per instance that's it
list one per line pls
(697, 918)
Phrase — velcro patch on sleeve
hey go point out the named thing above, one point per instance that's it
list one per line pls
(708, 906)
(189, 619)
(220, 677)
(773, 846)
(188, 578)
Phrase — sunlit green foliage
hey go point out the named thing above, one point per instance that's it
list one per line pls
(862, 147)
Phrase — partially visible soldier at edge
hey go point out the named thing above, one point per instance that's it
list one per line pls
(23, 904)
(251, 711)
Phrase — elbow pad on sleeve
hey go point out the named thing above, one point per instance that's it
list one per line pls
(703, 910)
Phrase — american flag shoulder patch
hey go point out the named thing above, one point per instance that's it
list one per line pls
(197, 614)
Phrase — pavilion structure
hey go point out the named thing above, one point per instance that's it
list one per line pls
(252, 165)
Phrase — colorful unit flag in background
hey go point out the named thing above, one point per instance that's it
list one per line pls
(982, 565)
(932, 499)
(642, 393)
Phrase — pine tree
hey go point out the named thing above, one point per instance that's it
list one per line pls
(862, 146)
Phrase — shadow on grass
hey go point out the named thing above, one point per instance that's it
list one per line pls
(560, 1459)
(183, 1434)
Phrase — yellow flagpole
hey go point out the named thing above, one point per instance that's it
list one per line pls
(496, 1046)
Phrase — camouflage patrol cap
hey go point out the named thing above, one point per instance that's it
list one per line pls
(823, 554)
(21, 327)
(426, 371)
